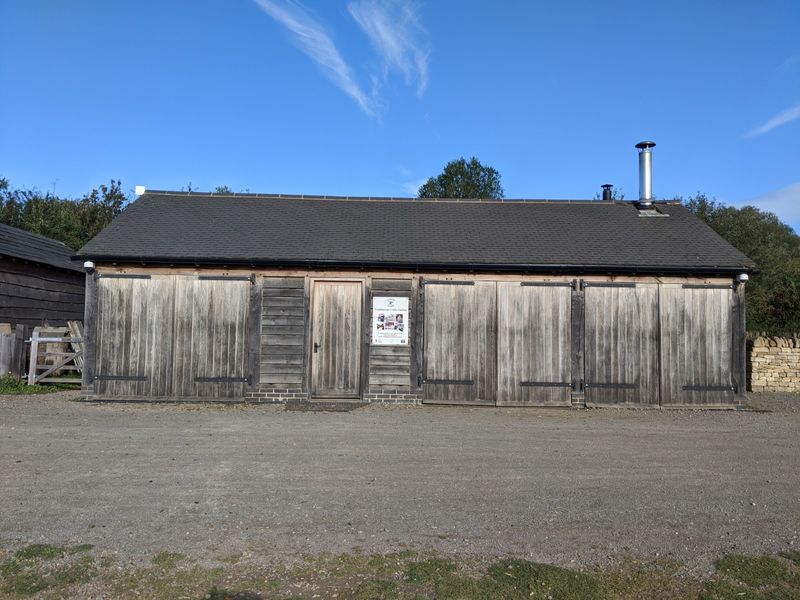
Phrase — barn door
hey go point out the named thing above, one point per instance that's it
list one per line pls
(134, 335)
(696, 347)
(336, 339)
(460, 346)
(533, 341)
(621, 344)
(211, 327)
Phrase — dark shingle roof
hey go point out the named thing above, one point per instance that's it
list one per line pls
(24, 245)
(178, 227)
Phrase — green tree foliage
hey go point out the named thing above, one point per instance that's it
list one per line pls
(773, 294)
(462, 179)
(72, 221)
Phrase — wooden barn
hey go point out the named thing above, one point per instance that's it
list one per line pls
(509, 303)
(39, 284)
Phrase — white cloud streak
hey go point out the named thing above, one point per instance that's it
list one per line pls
(398, 37)
(782, 118)
(784, 202)
(312, 39)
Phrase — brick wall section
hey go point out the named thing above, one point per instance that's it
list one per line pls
(773, 364)
(276, 395)
(399, 395)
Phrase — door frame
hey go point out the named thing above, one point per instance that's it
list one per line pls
(363, 351)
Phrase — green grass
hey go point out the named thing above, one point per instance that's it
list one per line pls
(167, 560)
(755, 571)
(29, 571)
(48, 571)
(11, 386)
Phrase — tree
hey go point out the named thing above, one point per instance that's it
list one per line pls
(223, 189)
(73, 222)
(773, 294)
(462, 179)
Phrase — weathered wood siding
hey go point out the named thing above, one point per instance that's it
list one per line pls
(210, 341)
(283, 330)
(169, 336)
(336, 338)
(696, 345)
(33, 294)
(460, 361)
(621, 352)
(534, 344)
(390, 367)
(134, 347)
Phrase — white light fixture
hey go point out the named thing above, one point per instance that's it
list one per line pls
(743, 277)
(89, 266)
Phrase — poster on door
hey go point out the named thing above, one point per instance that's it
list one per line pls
(390, 321)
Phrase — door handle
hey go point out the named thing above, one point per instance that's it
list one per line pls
(316, 347)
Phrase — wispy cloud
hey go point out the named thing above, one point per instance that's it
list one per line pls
(398, 37)
(782, 118)
(784, 202)
(412, 187)
(313, 39)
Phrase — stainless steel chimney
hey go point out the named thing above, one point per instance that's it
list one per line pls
(645, 172)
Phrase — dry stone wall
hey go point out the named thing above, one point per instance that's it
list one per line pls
(773, 364)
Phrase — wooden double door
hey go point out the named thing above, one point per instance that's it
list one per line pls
(504, 343)
(336, 339)
(172, 336)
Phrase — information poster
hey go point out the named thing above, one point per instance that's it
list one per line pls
(389, 321)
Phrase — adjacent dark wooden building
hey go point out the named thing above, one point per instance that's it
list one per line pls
(39, 284)
(512, 303)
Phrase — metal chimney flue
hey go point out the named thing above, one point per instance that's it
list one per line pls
(608, 195)
(645, 172)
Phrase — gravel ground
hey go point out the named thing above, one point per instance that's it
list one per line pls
(560, 486)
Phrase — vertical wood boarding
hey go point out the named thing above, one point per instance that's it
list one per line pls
(135, 336)
(696, 347)
(211, 339)
(460, 355)
(621, 345)
(336, 339)
(534, 345)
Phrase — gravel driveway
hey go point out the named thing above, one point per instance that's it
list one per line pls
(551, 485)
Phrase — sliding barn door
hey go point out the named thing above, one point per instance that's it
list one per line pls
(621, 344)
(460, 342)
(696, 346)
(533, 340)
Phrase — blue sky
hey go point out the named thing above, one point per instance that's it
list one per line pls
(370, 97)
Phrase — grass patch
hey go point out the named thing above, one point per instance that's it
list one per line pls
(11, 386)
(67, 571)
(167, 560)
(755, 571)
(29, 571)
(792, 555)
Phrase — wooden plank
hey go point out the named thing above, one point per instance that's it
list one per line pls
(460, 343)
(283, 282)
(270, 293)
(739, 341)
(621, 346)
(392, 285)
(696, 345)
(254, 333)
(577, 317)
(534, 345)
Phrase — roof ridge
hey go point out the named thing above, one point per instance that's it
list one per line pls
(246, 195)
